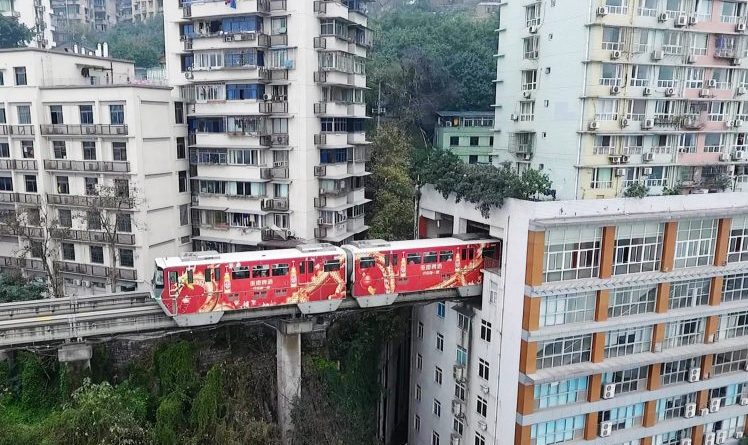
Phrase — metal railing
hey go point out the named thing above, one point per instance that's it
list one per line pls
(17, 164)
(84, 129)
(16, 130)
(87, 166)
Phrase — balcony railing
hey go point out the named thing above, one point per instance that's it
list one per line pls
(320, 232)
(86, 201)
(87, 166)
(268, 234)
(83, 130)
(21, 198)
(95, 270)
(16, 130)
(320, 170)
(127, 239)
(274, 204)
(274, 107)
(274, 173)
(320, 202)
(26, 263)
(17, 164)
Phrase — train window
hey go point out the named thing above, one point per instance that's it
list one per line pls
(366, 262)
(280, 270)
(445, 255)
(173, 277)
(463, 254)
(394, 259)
(414, 258)
(332, 265)
(261, 271)
(208, 274)
(471, 253)
(240, 273)
(190, 276)
(489, 252)
(429, 257)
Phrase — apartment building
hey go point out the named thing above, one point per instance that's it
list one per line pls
(70, 125)
(602, 94)
(104, 14)
(624, 322)
(276, 112)
(124, 10)
(36, 15)
(467, 134)
(146, 9)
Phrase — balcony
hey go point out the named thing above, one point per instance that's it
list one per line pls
(274, 173)
(17, 164)
(279, 234)
(274, 204)
(84, 130)
(356, 224)
(320, 202)
(206, 8)
(274, 107)
(357, 138)
(87, 201)
(87, 166)
(26, 263)
(320, 170)
(93, 270)
(21, 198)
(90, 236)
(16, 130)
(330, 9)
(278, 5)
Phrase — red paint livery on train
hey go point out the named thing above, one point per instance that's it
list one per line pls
(197, 288)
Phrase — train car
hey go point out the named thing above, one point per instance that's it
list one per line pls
(197, 288)
(382, 270)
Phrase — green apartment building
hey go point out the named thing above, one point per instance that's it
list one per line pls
(468, 134)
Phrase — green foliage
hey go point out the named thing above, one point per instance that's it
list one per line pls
(170, 418)
(15, 287)
(428, 62)
(13, 33)
(176, 368)
(636, 190)
(676, 189)
(720, 182)
(38, 390)
(206, 408)
(390, 184)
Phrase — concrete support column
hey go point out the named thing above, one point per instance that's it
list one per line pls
(75, 352)
(697, 435)
(650, 413)
(288, 358)
(590, 426)
(607, 251)
(668, 246)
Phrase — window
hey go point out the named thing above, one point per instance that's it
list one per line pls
(666, 77)
(65, 217)
(628, 341)
(454, 141)
(472, 159)
(86, 114)
(567, 309)
(184, 212)
(439, 342)
(438, 375)
(611, 74)
(437, 408)
(55, 114)
(89, 150)
(97, 254)
(694, 77)
(91, 185)
(63, 186)
(68, 251)
(611, 38)
(417, 422)
(179, 112)
(628, 380)
(632, 300)
(6, 184)
(434, 438)
(440, 309)
(526, 111)
(735, 288)
(460, 390)
(572, 253)
(463, 322)
(93, 222)
(601, 178)
(458, 426)
(493, 291)
(182, 178)
(564, 351)
(684, 332)
(119, 151)
(694, 245)
(418, 392)
(641, 75)
(20, 75)
(4, 150)
(677, 371)
(479, 438)
(532, 15)
(36, 249)
(624, 417)
(733, 325)
(485, 330)
(684, 294)
(729, 426)
(672, 407)
(30, 183)
(606, 110)
(278, 25)
(566, 392)
(556, 431)
(671, 438)
(27, 149)
(530, 45)
(474, 141)
(483, 369)
(713, 143)
(244, 91)
(117, 114)
(419, 361)
(462, 356)
(24, 114)
(738, 247)
(419, 330)
(637, 247)
(481, 406)
(181, 150)
(729, 362)
(124, 222)
(2, 78)
(126, 258)
(58, 150)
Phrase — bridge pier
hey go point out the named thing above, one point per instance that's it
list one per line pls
(75, 352)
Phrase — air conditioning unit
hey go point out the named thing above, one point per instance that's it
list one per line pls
(320, 221)
(705, 92)
(740, 27)
(744, 401)
(266, 97)
(614, 159)
(615, 89)
(456, 439)
(738, 434)
(709, 438)
(738, 123)
(690, 410)
(704, 412)
(86, 283)
(738, 155)
(647, 91)
(648, 124)
(647, 171)
(514, 117)
(712, 83)
(620, 171)
(685, 441)
(681, 20)
(458, 372)
(482, 425)
(714, 404)
(647, 157)
(606, 428)
(593, 125)
(723, 157)
(527, 156)
(657, 54)
(691, 58)
(662, 17)
(76, 282)
(609, 391)
(228, 38)
(458, 408)
(624, 122)
(694, 374)
(533, 29)
(602, 10)
(692, 20)
(721, 437)
(669, 92)
(485, 389)
(527, 94)
(742, 90)
(735, 61)
(624, 159)
(615, 55)
(189, 75)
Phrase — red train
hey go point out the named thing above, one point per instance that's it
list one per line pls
(197, 288)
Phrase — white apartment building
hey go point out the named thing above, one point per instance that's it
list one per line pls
(276, 111)
(609, 322)
(70, 123)
(146, 9)
(602, 94)
(35, 14)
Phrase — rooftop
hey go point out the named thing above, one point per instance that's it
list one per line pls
(54, 52)
(465, 113)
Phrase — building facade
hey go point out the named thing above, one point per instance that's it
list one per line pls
(602, 94)
(70, 126)
(624, 322)
(146, 9)
(468, 134)
(276, 111)
(36, 15)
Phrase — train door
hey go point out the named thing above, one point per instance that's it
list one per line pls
(306, 271)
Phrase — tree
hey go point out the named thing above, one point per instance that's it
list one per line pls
(13, 33)
(15, 287)
(39, 234)
(112, 214)
(636, 190)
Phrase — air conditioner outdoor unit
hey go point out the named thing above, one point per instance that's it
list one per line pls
(712, 83)
(615, 89)
(647, 157)
(669, 92)
(614, 55)
(228, 38)
(662, 17)
(736, 61)
(527, 156)
(657, 54)
(606, 428)
(740, 27)
(648, 124)
(704, 92)
(602, 10)
(685, 441)
(744, 401)
(691, 58)
(738, 155)
(458, 408)
(86, 283)
(620, 171)
(709, 438)
(738, 123)
(690, 410)
(482, 425)
(188, 75)
(266, 97)
(320, 221)
(647, 171)
(527, 94)
(723, 157)
(76, 282)
(614, 159)
(742, 90)
(692, 20)
(593, 125)
(456, 439)
(738, 434)
(694, 374)
(704, 412)
(624, 122)
(714, 404)
(609, 391)
(485, 389)
(721, 437)
(533, 29)
(647, 91)
(680, 21)
(514, 117)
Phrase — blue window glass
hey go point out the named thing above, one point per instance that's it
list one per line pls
(566, 392)
(462, 356)
(241, 24)
(187, 30)
(333, 156)
(210, 125)
(244, 91)
(556, 431)
(441, 310)
(248, 57)
(187, 62)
